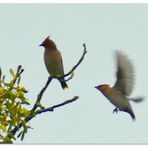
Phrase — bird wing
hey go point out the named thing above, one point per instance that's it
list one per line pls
(62, 67)
(124, 74)
(54, 63)
(59, 67)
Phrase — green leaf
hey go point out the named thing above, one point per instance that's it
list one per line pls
(19, 68)
(25, 102)
(22, 137)
(18, 81)
(72, 73)
(8, 84)
(40, 105)
(19, 134)
(3, 78)
(11, 135)
(1, 137)
(20, 95)
(24, 90)
(13, 123)
(11, 72)
(24, 132)
(12, 95)
(7, 140)
(10, 105)
(3, 127)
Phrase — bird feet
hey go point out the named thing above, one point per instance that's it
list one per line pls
(115, 110)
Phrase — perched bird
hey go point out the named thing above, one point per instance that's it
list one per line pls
(53, 61)
(118, 95)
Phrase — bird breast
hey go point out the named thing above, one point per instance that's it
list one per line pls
(116, 98)
(53, 62)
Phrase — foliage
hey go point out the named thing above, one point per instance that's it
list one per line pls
(14, 115)
(12, 106)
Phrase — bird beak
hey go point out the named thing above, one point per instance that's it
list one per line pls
(96, 87)
(40, 45)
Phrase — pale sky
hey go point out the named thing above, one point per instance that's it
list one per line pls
(104, 28)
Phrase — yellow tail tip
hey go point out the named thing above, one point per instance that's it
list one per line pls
(65, 88)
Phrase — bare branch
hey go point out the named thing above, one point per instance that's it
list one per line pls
(50, 78)
(79, 62)
(69, 78)
(33, 111)
(51, 109)
(42, 111)
(39, 97)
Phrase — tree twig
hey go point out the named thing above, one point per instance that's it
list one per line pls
(51, 109)
(69, 78)
(79, 62)
(73, 69)
(39, 97)
(44, 110)
(18, 73)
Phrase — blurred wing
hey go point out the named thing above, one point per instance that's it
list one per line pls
(125, 74)
(137, 99)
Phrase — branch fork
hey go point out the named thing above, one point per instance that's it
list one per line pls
(34, 112)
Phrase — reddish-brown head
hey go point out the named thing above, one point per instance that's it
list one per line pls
(48, 43)
(102, 87)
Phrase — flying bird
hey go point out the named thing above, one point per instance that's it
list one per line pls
(119, 94)
(53, 61)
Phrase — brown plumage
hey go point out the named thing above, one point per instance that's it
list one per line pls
(53, 61)
(118, 95)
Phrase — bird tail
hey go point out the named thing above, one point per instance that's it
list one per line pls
(137, 99)
(63, 84)
(130, 112)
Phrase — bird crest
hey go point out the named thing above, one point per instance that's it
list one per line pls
(49, 43)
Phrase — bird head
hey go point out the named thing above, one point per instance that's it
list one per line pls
(49, 43)
(45, 42)
(102, 87)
